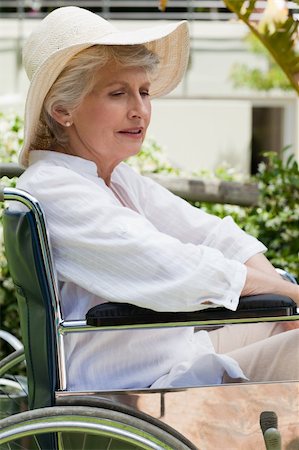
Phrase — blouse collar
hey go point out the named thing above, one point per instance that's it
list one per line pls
(80, 165)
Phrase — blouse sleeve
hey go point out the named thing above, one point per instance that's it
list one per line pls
(175, 216)
(120, 255)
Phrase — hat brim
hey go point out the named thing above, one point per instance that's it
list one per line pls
(170, 42)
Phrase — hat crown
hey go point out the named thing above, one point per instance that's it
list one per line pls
(59, 30)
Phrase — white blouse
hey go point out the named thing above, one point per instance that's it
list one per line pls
(135, 242)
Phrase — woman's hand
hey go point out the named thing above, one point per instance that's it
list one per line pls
(261, 263)
(262, 278)
(262, 283)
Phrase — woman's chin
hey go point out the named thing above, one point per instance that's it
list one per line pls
(133, 150)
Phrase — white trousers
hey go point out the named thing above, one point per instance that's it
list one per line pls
(264, 351)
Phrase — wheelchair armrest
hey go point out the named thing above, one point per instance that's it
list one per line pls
(266, 305)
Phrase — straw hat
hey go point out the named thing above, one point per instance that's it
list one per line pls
(68, 30)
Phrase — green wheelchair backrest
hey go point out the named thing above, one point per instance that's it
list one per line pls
(27, 270)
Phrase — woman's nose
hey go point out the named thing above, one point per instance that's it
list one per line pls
(138, 108)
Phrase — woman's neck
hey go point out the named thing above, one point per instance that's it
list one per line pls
(104, 169)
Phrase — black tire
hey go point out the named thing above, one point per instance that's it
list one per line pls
(82, 427)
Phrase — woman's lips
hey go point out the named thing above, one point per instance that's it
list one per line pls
(132, 132)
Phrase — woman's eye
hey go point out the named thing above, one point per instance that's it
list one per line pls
(117, 93)
(144, 93)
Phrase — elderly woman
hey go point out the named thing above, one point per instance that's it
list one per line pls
(118, 236)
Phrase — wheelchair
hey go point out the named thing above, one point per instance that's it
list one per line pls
(133, 419)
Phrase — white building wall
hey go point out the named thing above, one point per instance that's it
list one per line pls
(203, 134)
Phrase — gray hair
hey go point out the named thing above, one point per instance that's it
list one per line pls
(77, 80)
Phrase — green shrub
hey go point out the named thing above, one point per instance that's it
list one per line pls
(11, 137)
(275, 221)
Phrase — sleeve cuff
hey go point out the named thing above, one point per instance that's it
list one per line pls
(231, 299)
(248, 252)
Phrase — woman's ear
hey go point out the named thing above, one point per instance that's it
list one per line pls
(62, 116)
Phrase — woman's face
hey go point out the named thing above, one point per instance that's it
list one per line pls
(111, 122)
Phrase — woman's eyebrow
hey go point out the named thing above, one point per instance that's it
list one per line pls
(100, 85)
(124, 83)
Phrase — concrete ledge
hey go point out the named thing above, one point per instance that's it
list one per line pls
(191, 189)
(211, 191)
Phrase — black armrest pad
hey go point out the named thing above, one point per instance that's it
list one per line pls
(267, 305)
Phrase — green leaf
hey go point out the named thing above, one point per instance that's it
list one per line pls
(279, 37)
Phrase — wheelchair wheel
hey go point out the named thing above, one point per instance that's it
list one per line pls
(11, 361)
(13, 388)
(78, 428)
